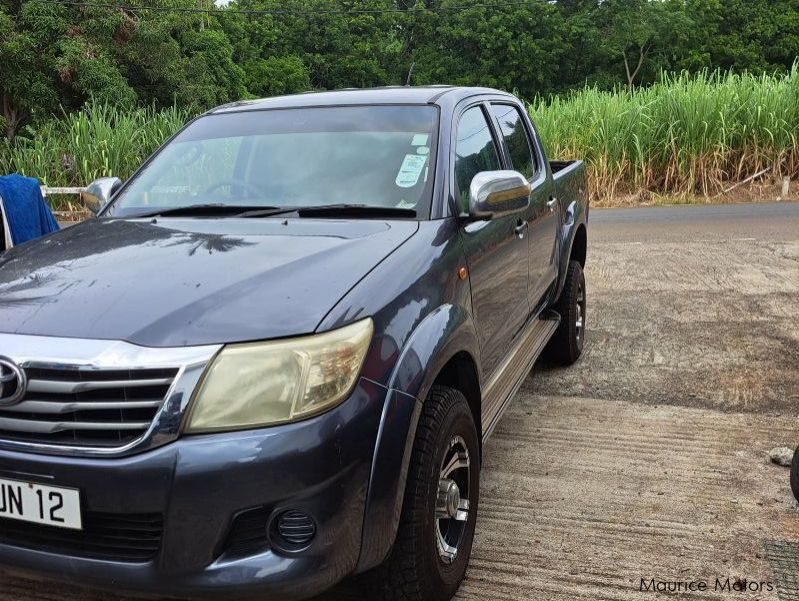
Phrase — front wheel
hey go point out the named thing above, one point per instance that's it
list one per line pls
(436, 530)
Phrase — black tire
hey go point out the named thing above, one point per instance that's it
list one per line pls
(566, 345)
(415, 569)
(795, 474)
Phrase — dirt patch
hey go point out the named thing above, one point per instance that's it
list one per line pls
(707, 323)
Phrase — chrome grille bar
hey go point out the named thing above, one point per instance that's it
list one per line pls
(66, 387)
(57, 408)
(38, 427)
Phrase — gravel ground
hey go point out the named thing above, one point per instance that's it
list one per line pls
(648, 459)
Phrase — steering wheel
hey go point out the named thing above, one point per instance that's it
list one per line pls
(234, 185)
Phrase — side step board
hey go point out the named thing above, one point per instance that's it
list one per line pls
(509, 376)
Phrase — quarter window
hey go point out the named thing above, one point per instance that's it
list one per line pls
(475, 151)
(516, 139)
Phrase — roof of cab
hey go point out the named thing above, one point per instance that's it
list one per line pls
(387, 95)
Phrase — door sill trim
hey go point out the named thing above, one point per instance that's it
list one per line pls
(506, 380)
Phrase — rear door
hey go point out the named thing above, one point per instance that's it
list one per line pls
(496, 250)
(525, 157)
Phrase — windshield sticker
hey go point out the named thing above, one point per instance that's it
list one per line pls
(404, 204)
(410, 170)
(419, 140)
(423, 150)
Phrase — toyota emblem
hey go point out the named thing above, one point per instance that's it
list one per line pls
(12, 382)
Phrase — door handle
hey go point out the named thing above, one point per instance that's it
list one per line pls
(521, 228)
(553, 202)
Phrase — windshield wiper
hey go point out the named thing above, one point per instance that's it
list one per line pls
(354, 210)
(337, 210)
(208, 209)
(267, 211)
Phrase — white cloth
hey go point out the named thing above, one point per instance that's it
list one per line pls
(6, 229)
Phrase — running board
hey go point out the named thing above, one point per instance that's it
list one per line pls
(509, 376)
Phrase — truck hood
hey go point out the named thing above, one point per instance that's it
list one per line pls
(181, 282)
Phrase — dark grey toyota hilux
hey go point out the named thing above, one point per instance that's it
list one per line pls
(270, 363)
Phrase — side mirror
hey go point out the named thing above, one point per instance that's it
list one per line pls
(99, 192)
(498, 193)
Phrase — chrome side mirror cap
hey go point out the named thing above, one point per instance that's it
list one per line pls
(498, 193)
(98, 193)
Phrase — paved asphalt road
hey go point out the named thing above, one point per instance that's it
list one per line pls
(773, 221)
(647, 459)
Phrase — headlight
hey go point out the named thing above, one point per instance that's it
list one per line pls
(266, 383)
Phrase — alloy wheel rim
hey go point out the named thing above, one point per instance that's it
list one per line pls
(452, 500)
(579, 321)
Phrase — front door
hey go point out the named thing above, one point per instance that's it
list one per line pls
(525, 157)
(496, 250)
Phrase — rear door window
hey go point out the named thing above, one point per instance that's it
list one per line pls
(516, 139)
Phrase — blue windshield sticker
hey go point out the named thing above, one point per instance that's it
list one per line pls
(410, 170)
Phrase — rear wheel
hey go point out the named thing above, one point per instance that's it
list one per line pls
(434, 541)
(566, 345)
(795, 474)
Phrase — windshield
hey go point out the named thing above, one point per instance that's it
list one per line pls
(378, 156)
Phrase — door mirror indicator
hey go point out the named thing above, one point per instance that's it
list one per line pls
(498, 193)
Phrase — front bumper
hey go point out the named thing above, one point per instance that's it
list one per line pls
(199, 484)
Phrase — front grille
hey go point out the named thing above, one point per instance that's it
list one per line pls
(134, 537)
(86, 407)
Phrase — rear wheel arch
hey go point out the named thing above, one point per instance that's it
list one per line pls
(579, 249)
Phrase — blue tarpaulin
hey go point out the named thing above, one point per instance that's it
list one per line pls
(24, 211)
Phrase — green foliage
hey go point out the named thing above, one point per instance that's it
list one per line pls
(684, 134)
(100, 140)
(276, 75)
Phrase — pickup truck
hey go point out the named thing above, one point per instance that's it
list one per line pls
(271, 362)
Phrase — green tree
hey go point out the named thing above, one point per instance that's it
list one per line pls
(58, 56)
(276, 75)
(638, 30)
(754, 35)
(28, 86)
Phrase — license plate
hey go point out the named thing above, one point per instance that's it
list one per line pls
(50, 505)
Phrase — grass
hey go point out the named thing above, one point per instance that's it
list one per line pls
(686, 137)
(97, 141)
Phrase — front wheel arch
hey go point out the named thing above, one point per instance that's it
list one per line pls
(442, 340)
(460, 373)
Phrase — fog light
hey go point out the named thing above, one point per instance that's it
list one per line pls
(294, 530)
